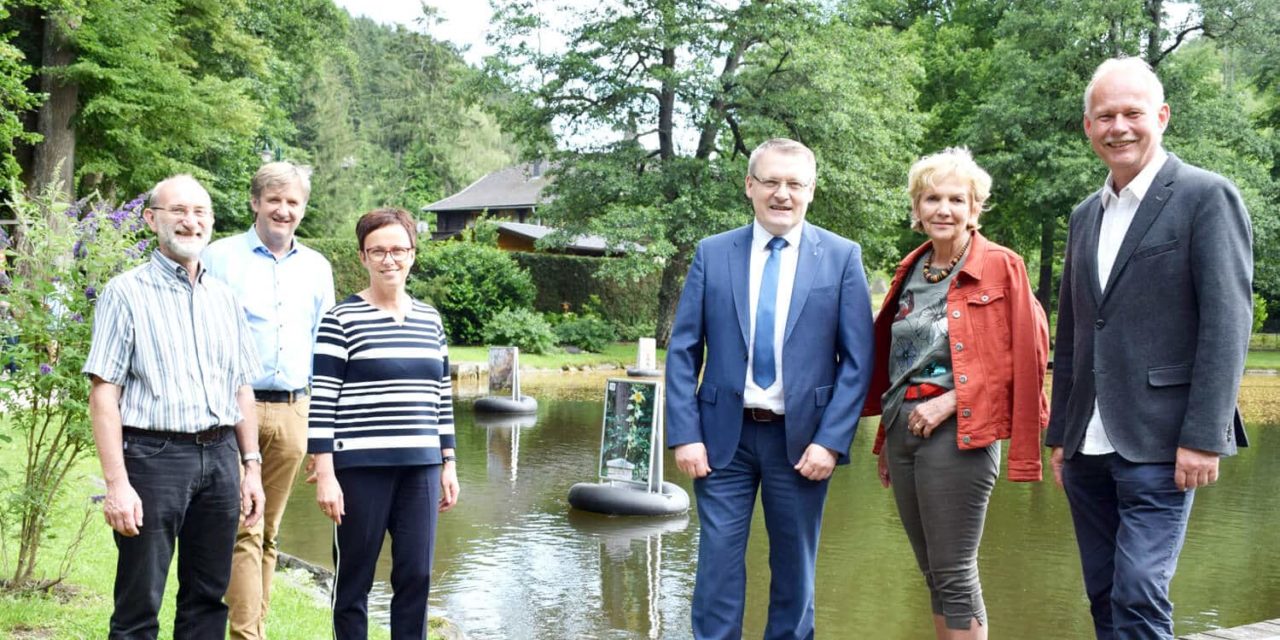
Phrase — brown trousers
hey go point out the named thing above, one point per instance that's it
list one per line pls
(282, 437)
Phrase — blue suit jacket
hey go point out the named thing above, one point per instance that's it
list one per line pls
(1163, 349)
(826, 349)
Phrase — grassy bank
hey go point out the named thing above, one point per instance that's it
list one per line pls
(81, 605)
(622, 354)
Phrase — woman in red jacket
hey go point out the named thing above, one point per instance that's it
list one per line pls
(961, 348)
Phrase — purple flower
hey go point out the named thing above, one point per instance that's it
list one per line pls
(45, 369)
(76, 317)
(137, 250)
(90, 293)
(79, 250)
(118, 216)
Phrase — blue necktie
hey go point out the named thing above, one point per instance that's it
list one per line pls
(763, 369)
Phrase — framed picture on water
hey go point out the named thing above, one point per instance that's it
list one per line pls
(504, 372)
(630, 441)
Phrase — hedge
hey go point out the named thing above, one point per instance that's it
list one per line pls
(559, 279)
(562, 279)
(349, 276)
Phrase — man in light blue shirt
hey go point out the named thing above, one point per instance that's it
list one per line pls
(284, 289)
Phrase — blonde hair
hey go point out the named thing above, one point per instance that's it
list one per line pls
(951, 162)
(279, 174)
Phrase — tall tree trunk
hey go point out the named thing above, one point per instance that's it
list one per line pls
(1044, 289)
(669, 296)
(54, 161)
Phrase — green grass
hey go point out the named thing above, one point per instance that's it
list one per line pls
(619, 353)
(1258, 359)
(81, 606)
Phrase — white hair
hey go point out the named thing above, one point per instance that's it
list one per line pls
(1137, 68)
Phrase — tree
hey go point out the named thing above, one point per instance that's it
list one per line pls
(686, 89)
(1007, 80)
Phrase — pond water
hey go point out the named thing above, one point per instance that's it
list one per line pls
(513, 561)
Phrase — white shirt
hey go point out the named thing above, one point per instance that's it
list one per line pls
(1118, 210)
(752, 395)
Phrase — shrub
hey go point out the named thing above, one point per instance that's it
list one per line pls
(470, 284)
(586, 332)
(522, 328)
(1259, 312)
(575, 280)
(64, 255)
(349, 276)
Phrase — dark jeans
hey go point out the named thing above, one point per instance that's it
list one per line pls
(190, 493)
(793, 518)
(1130, 520)
(378, 500)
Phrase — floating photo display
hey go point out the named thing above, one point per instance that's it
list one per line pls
(504, 372)
(631, 424)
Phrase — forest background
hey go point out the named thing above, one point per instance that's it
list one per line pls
(647, 111)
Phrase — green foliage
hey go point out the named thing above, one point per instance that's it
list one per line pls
(522, 328)
(349, 276)
(15, 98)
(1259, 312)
(166, 87)
(726, 75)
(392, 121)
(470, 284)
(571, 283)
(586, 332)
(57, 268)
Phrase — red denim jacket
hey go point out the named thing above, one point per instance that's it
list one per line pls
(999, 351)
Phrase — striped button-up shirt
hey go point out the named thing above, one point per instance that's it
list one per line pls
(179, 352)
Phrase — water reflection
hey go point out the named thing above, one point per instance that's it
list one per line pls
(502, 442)
(514, 561)
(630, 559)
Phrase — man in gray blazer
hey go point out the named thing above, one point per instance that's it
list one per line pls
(1154, 317)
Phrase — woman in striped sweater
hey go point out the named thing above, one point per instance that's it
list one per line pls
(381, 429)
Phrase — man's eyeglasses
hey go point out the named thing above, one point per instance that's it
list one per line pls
(399, 254)
(774, 185)
(181, 212)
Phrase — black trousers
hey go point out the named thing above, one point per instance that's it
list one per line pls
(190, 494)
(401, 501)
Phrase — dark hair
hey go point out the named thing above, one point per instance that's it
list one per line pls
(379, 218)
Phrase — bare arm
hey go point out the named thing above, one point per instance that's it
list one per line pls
(252, 499)
(122, 507)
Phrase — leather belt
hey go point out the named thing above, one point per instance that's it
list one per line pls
(270, 395)
(757, 414)
(924, 390)
(208, 436)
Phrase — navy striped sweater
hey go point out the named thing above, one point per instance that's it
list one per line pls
(381, 391)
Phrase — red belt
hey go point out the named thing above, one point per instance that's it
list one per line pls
(924, 390)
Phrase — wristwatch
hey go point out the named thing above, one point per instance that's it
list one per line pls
(453, 459)
(251, 457)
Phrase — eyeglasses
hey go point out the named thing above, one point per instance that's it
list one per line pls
(399, 254)
(181, 212)
(774, 185)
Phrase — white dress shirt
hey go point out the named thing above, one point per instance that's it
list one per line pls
(752, 395)
(1118, 210)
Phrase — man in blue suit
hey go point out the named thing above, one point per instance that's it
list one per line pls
(776, 317)
(1154, 317)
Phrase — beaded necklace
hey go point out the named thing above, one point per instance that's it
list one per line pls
(933, 276)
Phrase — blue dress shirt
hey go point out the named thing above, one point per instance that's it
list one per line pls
(283, 300)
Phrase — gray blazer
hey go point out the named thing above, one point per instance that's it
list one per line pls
(1163, 349)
